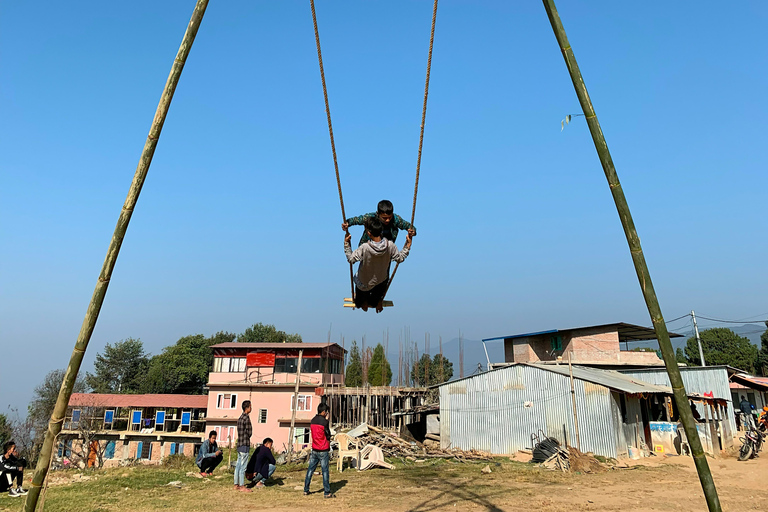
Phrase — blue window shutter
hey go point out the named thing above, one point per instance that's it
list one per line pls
(173, 448)
(139, 448)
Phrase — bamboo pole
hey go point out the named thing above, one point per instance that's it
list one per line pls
(573, 404)
(92, 313)
(291, 439)
(641, 268)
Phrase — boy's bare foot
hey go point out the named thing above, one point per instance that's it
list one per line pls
(364, 307)
(380, 306)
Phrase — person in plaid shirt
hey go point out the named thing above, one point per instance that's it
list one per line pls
(244, 432)
(391, 222)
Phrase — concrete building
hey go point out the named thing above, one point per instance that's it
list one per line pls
(266, 374)
(598, 345)
(120, 427)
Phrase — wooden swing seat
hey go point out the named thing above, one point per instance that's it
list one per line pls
(349, 303)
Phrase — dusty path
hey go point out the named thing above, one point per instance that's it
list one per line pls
(668, 485)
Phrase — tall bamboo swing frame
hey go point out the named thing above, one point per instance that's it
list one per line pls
(633, 240)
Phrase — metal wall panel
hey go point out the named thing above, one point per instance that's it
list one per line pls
(498, 411)
(697, 379)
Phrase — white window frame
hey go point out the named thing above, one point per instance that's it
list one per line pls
(262, 413)
(221, 404)
(305, 403)
(237, 365)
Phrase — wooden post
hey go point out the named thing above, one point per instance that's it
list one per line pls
(97, 299)
(638, 258)
(728, 433)
(713, 430)
(667, 405)
(295, 406)
(573, 403)
(709, 427)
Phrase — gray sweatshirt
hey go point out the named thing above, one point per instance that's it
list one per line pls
(374, 258)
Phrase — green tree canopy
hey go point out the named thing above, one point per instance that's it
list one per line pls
(429, 371)
(722, 346)
(680, 356)
(261, 333)
(762, 356)
(183, 367)
(379, 371)
(120, 368)
(354, 376)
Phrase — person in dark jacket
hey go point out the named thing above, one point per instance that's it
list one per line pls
(265, 463)
(209, 455)
(321, 450)
(391, 222)
(746, 409)
(11, 470)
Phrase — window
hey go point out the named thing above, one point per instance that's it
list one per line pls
(262, 415)
(76, 416)
(109, 450)
(331, 366)
(109, 417)
(301, 435)
(237, 364)
(186, 418)
(136, 418)
(173, 448)
(226, 401)
(305, 403)
(180, 450)
(556, 342)
(310, 365)
(159, 417)
(229, 364)
(65, 448)
(285, 365)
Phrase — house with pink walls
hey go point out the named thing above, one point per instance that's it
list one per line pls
(266, 374)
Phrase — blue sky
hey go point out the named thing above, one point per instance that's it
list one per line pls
(239, 219)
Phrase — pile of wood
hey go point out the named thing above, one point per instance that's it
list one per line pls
(396, 447)
(560, 460)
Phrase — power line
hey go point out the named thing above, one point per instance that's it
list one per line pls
(732, 321)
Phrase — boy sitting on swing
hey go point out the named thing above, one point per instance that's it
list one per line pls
(375, 255)
(391, 222)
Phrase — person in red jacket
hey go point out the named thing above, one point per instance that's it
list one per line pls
(321, 450)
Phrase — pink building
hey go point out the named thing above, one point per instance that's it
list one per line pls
(266, 374)
(599, 345)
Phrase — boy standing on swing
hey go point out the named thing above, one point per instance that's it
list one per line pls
(374, 255)
(391, 222)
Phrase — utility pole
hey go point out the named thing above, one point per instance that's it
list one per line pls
(698, 338)
(573, 402)
(291, 439)
(638, 258)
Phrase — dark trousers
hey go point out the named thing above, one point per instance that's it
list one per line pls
(208, 464)
(7, 479)
(372, 297)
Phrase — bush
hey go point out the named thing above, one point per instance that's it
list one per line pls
(178, 461)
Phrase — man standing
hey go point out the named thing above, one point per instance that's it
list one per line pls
(11, 470)
(746, 409)
(244, 432)
(209, 455)
(321, 450)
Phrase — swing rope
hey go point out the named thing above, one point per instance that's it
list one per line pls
(421, 135)
(330, 132)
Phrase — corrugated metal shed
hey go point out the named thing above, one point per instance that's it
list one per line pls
(497, 411)
(697, 379)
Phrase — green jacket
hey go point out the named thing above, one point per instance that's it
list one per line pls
(395, 226)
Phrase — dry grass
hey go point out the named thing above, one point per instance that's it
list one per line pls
(417, 487)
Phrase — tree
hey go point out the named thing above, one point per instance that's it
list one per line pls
(762, 356)
(183, 367)
(430, 371)
(43, 401)
(680, 356)
(354, 376)
(722, 346)
(120, 368)
(261, 333)
(379, 371)
(6, 429)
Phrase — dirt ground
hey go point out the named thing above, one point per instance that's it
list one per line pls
(668, 484)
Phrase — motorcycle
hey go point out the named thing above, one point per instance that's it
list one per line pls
(751, 444)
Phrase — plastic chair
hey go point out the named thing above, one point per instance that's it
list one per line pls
(348, 447)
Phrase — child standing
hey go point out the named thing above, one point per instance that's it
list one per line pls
(391, 222)
(372, 277)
